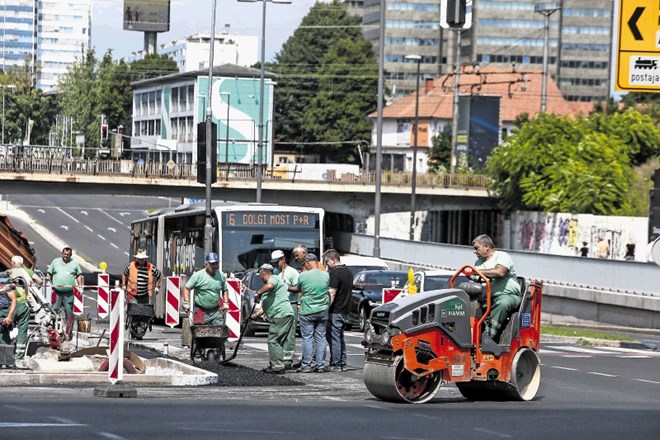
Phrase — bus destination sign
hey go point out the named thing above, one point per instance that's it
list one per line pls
(270, 219)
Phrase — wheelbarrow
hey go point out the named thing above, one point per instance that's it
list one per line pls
(139, 318)
(208, 342)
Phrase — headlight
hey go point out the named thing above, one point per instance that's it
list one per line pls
(387, 335)
(369, 334)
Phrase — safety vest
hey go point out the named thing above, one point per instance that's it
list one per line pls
(133, 278)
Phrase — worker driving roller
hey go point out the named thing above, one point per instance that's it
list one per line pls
(505, 289)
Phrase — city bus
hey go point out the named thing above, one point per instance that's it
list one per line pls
(244, 236)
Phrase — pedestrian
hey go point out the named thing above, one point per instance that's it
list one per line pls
(341, 290)
(276, 306)
(630, 250)
(584, 250)
(289, 276)
(313, 286)
(602, 248)
(209, 284)
(64, 273)
(22, 278)
(299, 252)
(7, 309)
(504, 286)
(141, 279)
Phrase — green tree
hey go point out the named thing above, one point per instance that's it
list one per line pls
(555, 163)
(152, 66)
(326, 83)
(440, 151)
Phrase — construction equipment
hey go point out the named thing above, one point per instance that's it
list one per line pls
(139, 319)
(417, 343)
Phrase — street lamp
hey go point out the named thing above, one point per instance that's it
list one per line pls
(417, 59)
(260, 135)
(4, 86)
(547, 9)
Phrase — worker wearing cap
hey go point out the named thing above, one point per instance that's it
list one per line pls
(141, 279)
(289, 276)
(209, 283)
(22, 277)
(277, 308)
(65, 273)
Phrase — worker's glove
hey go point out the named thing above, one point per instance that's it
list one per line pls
(257, 299)
(185, 306)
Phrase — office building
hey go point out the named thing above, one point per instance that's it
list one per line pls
(46, 35)
(503, 33)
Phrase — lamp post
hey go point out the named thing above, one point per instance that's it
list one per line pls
(411, 237)
(208, 226)
(260, 135)
(379, 127)
(547, 9)
(4, 86)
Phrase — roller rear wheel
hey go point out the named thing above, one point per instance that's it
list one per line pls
(396, 384)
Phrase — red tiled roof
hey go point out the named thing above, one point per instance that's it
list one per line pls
(523, 96)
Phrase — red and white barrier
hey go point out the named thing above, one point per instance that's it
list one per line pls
(390, 295)
(172, 301)
(103, 289)
(233, 318)
(116, 358)
(78, 300)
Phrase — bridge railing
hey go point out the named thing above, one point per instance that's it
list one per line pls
(128, 168)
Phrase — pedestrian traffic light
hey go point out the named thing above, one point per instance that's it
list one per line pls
(104, 132)
(201, 152)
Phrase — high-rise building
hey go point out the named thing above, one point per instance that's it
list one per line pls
(48, 35)
(504, 32)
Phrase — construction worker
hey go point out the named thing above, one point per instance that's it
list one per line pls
(277, 308)
(290, 278)
(7, 309)
(141, 279)
(65, 273)
(505, 289)
(22, 277)
(209, 283)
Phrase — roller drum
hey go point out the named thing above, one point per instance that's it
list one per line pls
(393, 383)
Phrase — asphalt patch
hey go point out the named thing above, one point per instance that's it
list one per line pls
(230, 374)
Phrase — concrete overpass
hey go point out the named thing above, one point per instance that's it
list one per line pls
(354, 196)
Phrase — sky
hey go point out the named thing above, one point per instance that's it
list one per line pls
(188, 17)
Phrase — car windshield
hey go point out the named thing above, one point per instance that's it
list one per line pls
(437, 282)
(356, 269)
(385, 279)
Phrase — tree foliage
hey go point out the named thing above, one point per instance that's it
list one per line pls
(440, 152)
(327, 82)
(152, 66)
(555, 163)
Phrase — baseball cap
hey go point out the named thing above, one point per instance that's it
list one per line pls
(212, 257)
(276, 255)
(267, 267)
(311, 257)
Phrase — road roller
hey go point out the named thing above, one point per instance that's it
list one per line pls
(417, 343)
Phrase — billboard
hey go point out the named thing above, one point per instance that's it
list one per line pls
(147, 15)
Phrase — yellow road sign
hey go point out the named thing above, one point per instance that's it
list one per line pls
(638, 46)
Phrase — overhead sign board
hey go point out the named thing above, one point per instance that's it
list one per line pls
(638, 46)
(445, 23)
(147, 15)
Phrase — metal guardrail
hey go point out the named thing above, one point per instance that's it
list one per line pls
(98, 167)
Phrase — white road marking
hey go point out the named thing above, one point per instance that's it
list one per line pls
(112, 229)
(111, 436)
(68, 215)
(493, 433)
(355, 346)
(41, 211)
(563, 368)
(88, 228)
(114, 245)
(84, 212)
(65, 227)
(38, 425)
(124, 213)
(634, 356)
(577, 349)
(546, 351)
(258, 346)
(100, 236)
(114, 219)
(602, 374)
(647, 381)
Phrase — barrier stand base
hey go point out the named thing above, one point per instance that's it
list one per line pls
(117, 390)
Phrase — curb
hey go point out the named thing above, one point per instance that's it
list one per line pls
(578, 340)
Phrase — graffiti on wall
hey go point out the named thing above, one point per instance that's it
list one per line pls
(564, 234)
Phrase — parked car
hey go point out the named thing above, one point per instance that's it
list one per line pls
(435, 280)
(358, 263)
(251, 283)
(367, 293)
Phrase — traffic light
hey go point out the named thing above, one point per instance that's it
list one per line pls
(456, 13)
(654, 203)
(104, 132)
(201, 152)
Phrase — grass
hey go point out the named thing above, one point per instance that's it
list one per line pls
(582, 333)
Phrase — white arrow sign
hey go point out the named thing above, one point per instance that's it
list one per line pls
(124, 213)
(112, 229)
(66, 228)
(84, 212)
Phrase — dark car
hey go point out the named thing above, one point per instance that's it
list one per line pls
(251, 283)
(367, 293)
